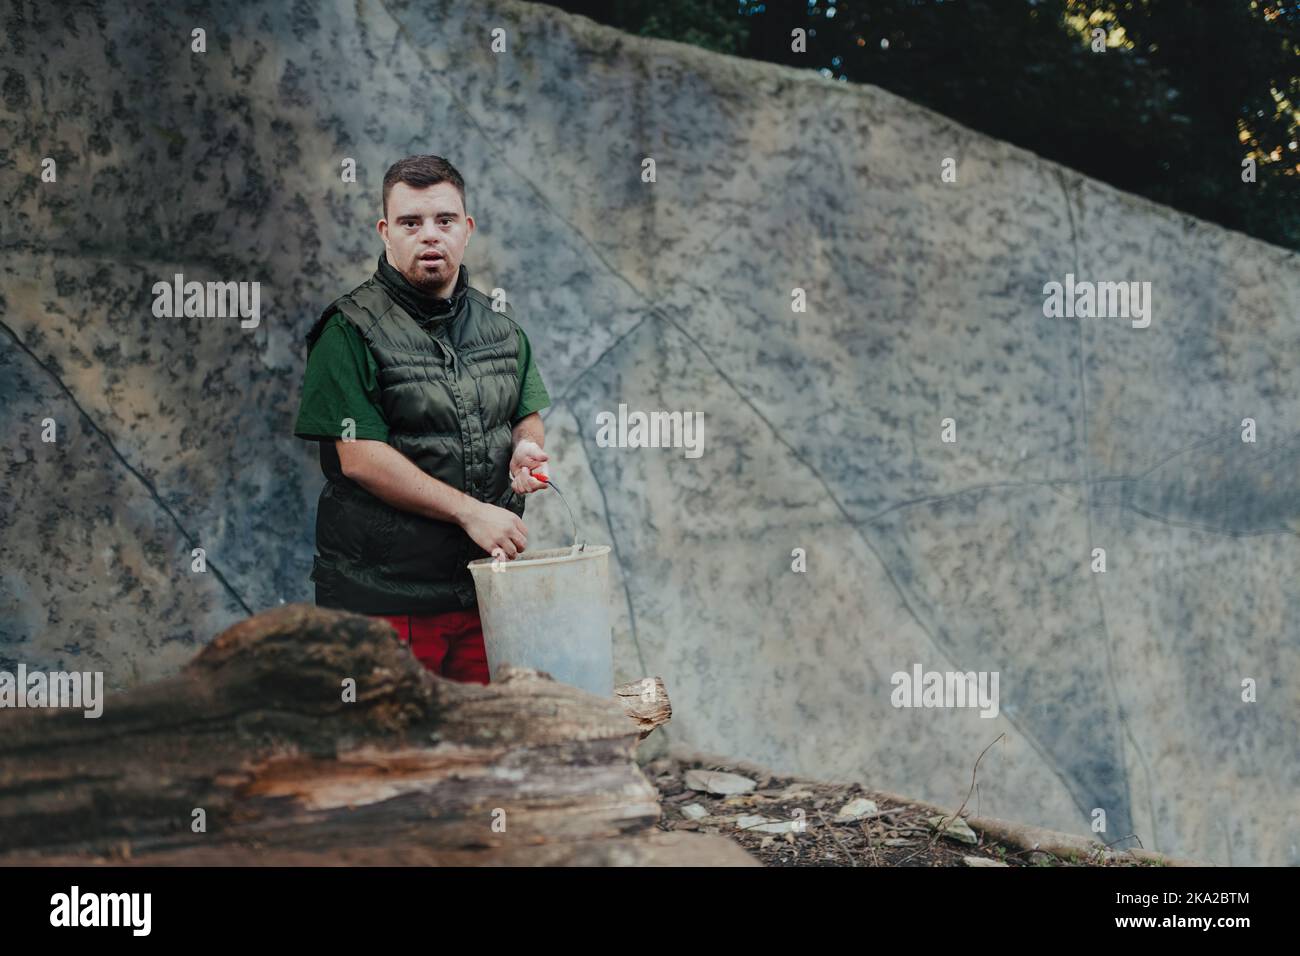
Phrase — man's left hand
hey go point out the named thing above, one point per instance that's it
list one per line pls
(528, 456)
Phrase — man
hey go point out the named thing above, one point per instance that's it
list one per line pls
(425, 403)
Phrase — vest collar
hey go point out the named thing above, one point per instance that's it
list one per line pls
(423, 308)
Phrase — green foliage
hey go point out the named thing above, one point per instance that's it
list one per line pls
(713, 26)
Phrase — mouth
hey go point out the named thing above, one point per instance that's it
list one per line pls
(430, 257)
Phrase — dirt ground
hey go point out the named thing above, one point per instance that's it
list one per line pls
(895, 834)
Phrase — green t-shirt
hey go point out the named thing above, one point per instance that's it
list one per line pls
(342, 381)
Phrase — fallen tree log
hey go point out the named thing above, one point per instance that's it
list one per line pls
(308, 736)
(646, 702)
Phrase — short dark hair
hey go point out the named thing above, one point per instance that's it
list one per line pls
(422, 171)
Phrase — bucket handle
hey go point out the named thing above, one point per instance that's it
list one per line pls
(550, 483)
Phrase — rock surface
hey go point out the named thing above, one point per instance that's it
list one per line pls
(1119, 691)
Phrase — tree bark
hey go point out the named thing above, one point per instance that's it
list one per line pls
(256, 740)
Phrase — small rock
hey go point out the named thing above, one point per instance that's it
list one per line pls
(956, 829)
(719, 782)
(745, 801)
(766, 842)
(855, 809)
(1038, 858)
(693, 811)
(897, 842)
(753, 823)
(981, 861)
(796, 791)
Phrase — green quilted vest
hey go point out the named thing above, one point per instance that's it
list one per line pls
(449, 389)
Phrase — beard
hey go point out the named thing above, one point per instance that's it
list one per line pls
(426, 281)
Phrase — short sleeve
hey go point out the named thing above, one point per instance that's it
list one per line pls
(533, 396)
(341, 382)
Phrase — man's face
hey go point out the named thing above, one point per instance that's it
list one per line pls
(425, 235)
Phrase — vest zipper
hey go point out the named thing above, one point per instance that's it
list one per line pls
(448, 353)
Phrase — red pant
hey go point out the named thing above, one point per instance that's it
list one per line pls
(450, 643)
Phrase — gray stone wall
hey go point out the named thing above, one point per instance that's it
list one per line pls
(1119, 690)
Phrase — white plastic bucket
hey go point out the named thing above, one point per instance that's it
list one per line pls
(549, 610)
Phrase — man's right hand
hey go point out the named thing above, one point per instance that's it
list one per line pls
(492, 527)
